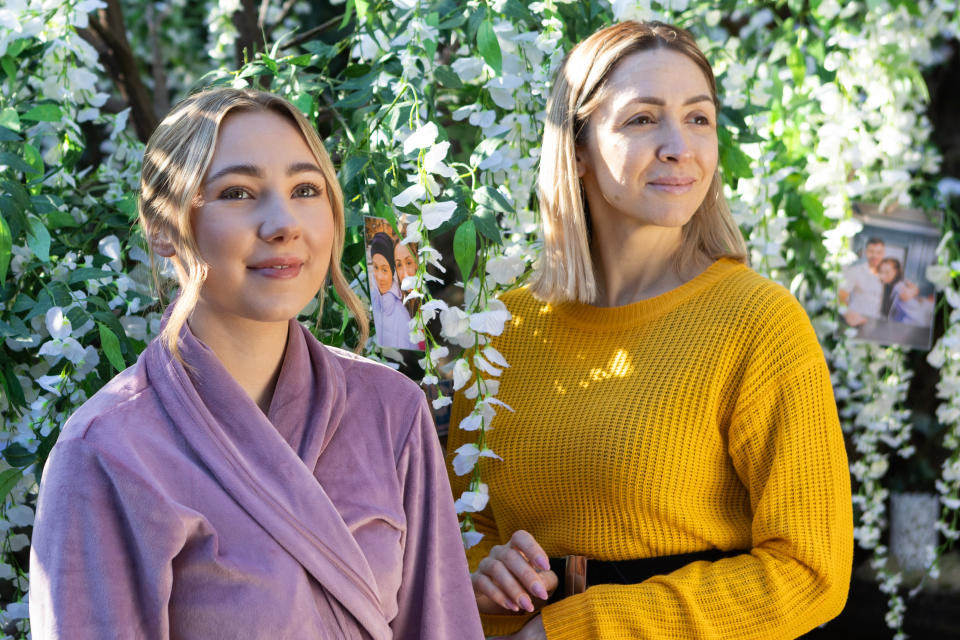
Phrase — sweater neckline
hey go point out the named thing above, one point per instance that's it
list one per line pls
(607, 317)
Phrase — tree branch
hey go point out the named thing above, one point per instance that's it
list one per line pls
(310, 33)
(108, 36)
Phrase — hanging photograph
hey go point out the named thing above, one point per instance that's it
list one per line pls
(885, 295)
(388, 263)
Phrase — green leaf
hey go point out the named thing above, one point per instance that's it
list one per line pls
(12, 385)
(38, 239)
(8, 67)
(111, 347)
(8, 480)
(321, 49)
(15, 162)
(6, 246)
(363, 8)
(448, 77)
(47, 112)
(486, 222)
(10, 119)
(301, 61)
(8, 135)
(465, 248)
(492, 199)
(304, 102)
(18, 455)
(814, 207)
(489, 46)
(89, 273)
(350, 168)
(33, 157)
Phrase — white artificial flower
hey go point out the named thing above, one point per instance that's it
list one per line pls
(489, 322)
(435, 214)
(442, 402)
(471, 538)
(504, 270)
(50, 383)
(430, 309)
(422, 138)
(433, 160)
(473, 501)
(461, 374)
(501, 90)
(454, 324)
(58, 325)
(467, 457)
(20, 515)
(495, 357)
(412, 193)
(468, 69)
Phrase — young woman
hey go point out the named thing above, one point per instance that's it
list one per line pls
(680, 457)
(389, 314)
(242, 480)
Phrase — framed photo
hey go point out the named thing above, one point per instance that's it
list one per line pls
(885, 295)
(388, 263)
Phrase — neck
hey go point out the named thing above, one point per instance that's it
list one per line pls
(250, 351)
(637, 263)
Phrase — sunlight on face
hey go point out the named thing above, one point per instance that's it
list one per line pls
(265, 225)
(650, 150)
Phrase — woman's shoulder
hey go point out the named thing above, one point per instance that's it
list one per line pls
(125, 402)
(757, 295)
(360, 371)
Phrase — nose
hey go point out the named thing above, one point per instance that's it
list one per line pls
(674, 146)
(279, 222)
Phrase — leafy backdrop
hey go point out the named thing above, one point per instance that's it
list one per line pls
(433, 110)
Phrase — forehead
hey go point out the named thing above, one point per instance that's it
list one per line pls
(259, 138)
(659, 73)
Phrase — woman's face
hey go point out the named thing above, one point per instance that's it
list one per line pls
(264, 226)
(382, 273)
(887, 272)
(650, 150)
(404, 261)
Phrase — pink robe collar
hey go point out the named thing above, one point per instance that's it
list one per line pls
(268, 474)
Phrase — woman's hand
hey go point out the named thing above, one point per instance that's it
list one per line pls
(533, 630)
(908, 291)
(515, 577)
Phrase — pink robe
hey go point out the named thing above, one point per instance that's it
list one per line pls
(171, 507)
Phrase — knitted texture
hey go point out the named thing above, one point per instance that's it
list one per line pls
(702, 418)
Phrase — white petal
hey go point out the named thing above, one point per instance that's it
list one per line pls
(436, 213)
(422, 138)
(410, 194)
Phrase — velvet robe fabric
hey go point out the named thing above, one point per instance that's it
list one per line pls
(172, 507)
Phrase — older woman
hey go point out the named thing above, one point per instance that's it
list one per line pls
(678, 465)
(242, 480)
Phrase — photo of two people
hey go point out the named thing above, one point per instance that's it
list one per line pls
(389, 261)
(886, 294)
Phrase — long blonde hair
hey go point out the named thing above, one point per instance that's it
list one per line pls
(565, 270)
(175, 162)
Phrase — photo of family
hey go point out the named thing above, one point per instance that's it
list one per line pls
(388, 263)
(885, 295)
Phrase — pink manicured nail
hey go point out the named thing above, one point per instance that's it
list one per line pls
(543, 562)
(525, 603)
(539, 591)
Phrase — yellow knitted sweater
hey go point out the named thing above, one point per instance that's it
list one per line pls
(701, 418)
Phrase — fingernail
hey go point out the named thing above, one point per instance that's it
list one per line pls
(543, 562)
(513, 607)
(539, 591)
(525, 603)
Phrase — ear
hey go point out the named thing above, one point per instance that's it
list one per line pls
(161, 245)
(581, 161)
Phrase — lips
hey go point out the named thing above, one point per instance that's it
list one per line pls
(279, 267)
(672, 184)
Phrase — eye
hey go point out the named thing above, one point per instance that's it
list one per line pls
(235, 193)
(642, 118)
(306, 190)
(700, 119)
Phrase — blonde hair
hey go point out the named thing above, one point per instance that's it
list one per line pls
(565, 270)
(175, 162)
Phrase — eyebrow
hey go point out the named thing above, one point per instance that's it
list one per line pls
(661, 102)
(256, 172)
